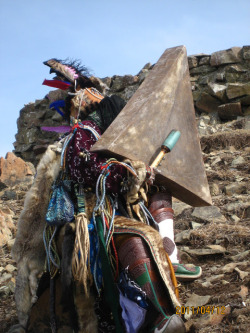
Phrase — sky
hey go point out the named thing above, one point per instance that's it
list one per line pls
(111, 37)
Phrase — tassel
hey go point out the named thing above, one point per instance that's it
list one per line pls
(81, 261)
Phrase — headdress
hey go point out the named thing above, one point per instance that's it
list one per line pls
(82, 90)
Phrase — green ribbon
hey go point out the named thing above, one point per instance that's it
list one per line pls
(110, 290)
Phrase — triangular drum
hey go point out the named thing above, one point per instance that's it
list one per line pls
(161, 104)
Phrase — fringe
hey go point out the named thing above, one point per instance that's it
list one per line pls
(81, 260)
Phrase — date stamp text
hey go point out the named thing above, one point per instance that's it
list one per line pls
(181, 310)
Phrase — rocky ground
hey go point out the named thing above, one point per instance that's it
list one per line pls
(216, 237)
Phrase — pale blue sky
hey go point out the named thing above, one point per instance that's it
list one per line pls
(110, 37)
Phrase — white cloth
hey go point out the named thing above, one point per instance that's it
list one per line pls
(166, 229)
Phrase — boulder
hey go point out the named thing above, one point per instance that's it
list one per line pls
(204, 69)
(246, 52)
(235, 188)
(14, 170)
(7, 227)
(56, 95)
(217, 90)
(204, 60)
(238, 161)
(207, 103)
(192, 62)
(236, 73)
(208, 214)
(237, 89)
(197, 300)
(230, 111)
(121, 82)
(228, 56)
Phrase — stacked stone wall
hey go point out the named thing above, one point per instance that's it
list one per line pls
(220, 84)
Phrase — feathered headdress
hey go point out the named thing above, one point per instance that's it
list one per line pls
(70, 70)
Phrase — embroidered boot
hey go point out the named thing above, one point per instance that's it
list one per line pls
(161, 209)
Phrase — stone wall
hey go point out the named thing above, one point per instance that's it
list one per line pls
(220, 86)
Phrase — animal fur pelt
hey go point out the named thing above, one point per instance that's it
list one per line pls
(153, 239)
(28, 249)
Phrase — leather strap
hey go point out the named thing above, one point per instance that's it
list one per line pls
(162, 214)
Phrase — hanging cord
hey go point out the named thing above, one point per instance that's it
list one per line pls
(64, 149)
(106, 209)
(147, 215)
(79, 94)
(81, 256)
(53, 259)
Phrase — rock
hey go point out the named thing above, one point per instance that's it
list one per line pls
(224, 282)
(10, 268)
(217, 248)
(11, 286)
(147, 66)
(235, 218)
(179, 208)
(10, 244)
(236, 206)
(207, 103)
(5, 277)
(2, 186)
(142, 75)
(196, 95)
(235, 188)
(217, 90)
(14, 170)
(240, 256)
(213, 318)
(228, 56)
(208, 214)
(107, 81)
(9, 195)
(192, 62)
(238, 161)
(56, 95)
(204, 60)
(229, 268)
(204, 69)
(6, 227)
(230, 111)
(119, 83)
(237, 73)
(209, 281)
(4, 291)
(129, 92)
(197, 300)
(204, 251)
(196, 225)
(7, 211)
(237, 89)
(39, 149)
(56, 117)
(246, 52)
(214, 189)
(242, 274)
(220, 77)
(243, 292)
(216, 161)
(183, 237)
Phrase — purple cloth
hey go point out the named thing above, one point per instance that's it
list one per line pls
(87, 171)
(132, 314)
(58, 129)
